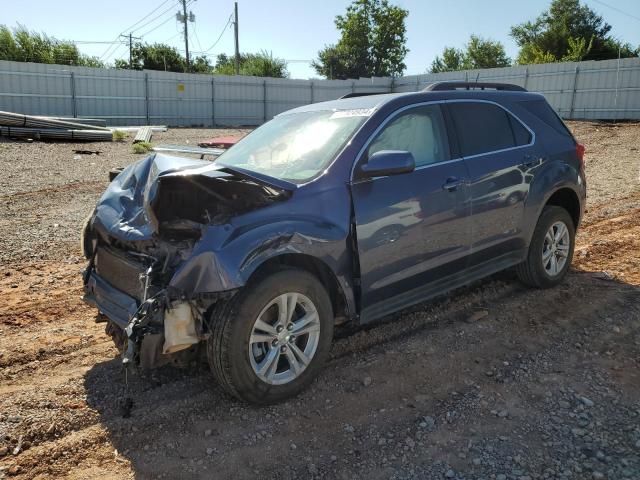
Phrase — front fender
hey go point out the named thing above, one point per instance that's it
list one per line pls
(225, 260)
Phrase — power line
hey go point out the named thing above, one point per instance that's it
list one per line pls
(148, 14)
(110, 50)
(219, 37)
(160, 15)
(617, 10)
(156, 27)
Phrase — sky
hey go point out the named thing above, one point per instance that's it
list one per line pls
(290, 29)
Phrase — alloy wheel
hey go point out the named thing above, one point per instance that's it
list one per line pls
(284, 338)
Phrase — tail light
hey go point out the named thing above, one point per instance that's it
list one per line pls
(580, 153)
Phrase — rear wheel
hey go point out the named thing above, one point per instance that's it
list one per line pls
(270, 341)
(551, 249)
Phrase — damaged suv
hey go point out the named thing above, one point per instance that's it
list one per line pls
(335, 212)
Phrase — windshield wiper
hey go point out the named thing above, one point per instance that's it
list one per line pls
(260, 177)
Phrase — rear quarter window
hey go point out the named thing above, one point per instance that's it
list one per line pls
(484, 127)
(544, 112)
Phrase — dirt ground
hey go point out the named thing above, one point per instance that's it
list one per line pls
(495, 381)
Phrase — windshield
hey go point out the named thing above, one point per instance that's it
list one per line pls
(295, 147)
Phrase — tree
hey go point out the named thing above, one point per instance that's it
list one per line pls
(262, 64)
(158, 56)
(372, 42)
(22, 45)
(568, 31)
(478, 53)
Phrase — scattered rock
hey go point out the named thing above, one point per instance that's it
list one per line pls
(478, 315)
(586, 402)
(367, 381)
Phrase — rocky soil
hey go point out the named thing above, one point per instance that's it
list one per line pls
(495, 381)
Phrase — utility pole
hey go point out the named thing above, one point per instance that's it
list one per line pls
(185, 19)
(235, 33)
(129, 39)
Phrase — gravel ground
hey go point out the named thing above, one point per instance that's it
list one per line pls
(496, 381)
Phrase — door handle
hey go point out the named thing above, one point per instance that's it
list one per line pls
(452, 184)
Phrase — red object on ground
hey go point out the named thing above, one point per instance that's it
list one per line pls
(221, 142)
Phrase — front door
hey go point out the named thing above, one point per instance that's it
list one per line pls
(412, 229)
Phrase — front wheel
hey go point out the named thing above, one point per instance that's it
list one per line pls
(270, 341)
(550, 250)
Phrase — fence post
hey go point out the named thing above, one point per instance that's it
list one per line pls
(264, 100)
(353, 86)
(312, 99)
(74, 107)
(146, 98)
(213, 102)
(573, 91)
(526, 77)
(392, 85)
(417, 83)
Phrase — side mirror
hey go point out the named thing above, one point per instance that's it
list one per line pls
(388, 162)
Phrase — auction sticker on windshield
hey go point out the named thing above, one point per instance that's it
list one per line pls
(356, 112)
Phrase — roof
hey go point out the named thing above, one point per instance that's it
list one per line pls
(375, 102)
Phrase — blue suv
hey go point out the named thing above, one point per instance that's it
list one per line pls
(335, 212)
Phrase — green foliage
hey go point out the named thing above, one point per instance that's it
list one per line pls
(262, 64)
(567, 31)
(478, 53)
(157, 56)
(21, 45)
(142, 147)
(372, 42)
(119, 135)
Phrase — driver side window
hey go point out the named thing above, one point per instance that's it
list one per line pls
(419, 130)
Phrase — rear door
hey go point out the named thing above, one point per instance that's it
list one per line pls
(412, 228)
(501, 157)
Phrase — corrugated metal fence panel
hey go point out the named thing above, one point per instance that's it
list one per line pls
(283, 95)
(179, 99)
(331, 89)
(239, 100)
(118, 96)
(34, 89)
(592, 90)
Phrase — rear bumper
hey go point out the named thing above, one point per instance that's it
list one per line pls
(115, 304)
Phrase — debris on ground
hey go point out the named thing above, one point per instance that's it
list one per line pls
(221, 142)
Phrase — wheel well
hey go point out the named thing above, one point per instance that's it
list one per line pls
(567, 199)
(317, 268)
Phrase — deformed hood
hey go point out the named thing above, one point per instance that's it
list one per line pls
(163, 190)
(124, 211)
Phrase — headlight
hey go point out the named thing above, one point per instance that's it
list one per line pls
(86, 238)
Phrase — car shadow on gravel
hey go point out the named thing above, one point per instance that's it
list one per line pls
(183, 426)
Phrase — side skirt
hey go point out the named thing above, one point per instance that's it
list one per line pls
(443, 285)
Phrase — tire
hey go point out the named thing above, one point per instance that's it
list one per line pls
(533, 271)
(235, 356)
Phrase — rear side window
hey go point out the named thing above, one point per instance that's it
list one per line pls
(420, 130)
(544, 112)
(484, 127)
(521, 135)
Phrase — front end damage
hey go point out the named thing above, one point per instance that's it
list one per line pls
(151, 243)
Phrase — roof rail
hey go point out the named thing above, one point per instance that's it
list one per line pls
(440, 86)
(360, 94)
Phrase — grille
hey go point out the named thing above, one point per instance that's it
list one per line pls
(120, 272)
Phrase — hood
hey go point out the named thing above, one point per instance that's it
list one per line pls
(170, 194)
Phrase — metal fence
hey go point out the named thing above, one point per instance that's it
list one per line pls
(607, 89)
